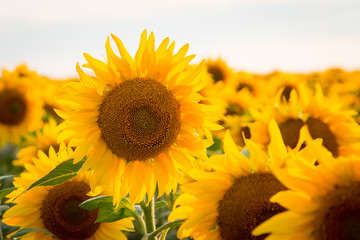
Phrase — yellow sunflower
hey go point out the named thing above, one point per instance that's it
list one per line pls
(20, 108)
(22, 71)
(288, 115)
(323, 202)
(41, 140)
(219, 70)
(319, 116)
(232, 198)
(285, 82)
(51, 90)
(55, 208)
(138, 120)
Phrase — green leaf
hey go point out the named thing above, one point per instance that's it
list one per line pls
(246, 153)
(60, 174)
(24, 231)
(107, 211)
(4, 208)
(4, 192)
(160, 204)
(6, 176)
(163, 227)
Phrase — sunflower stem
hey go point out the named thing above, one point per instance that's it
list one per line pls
(149, 215)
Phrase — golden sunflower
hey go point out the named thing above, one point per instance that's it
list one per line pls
(41, 140)
(22, 71)
(20, 108)
(327, 119)
(283, 81)
(318, 116)
(55, 208)
(288, 115)
(219, 70)
(231, 199)
(323, 201)
(139, 119)
(51, 90)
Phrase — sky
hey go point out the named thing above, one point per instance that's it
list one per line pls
(257, 36)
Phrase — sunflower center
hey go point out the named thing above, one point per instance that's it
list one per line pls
(246, 204)
(216, 72)
(290, 131)
(319, 129)
(286, 93)
(244, 85)
(139, 119)
(62, 215)
(12, 107)
(339, 216)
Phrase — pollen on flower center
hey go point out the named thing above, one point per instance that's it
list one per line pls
(246, 204)
(139, 119)
(339, 215)
(62, 215)
(290, 131)
(319, 129)
(12, 107)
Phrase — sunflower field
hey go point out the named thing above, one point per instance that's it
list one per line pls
(153, 146)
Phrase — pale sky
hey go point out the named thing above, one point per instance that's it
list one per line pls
(257, 36)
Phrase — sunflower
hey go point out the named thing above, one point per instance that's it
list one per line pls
(22, 71)
(318, 116)
(219, 70)
(138, 120)
(283, 81)
(42, 139)
(55, 208)
(230, 199)
(53, 88)
(20, 107)
(288, 115)
(323, 202)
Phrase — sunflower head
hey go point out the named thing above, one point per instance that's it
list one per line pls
(139, 116)
(231, 199)
(56, 208)
(323, 202)
(42, 139)
(20, 107)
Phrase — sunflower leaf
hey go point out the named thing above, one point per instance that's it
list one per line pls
(4, 192)
(160, 204)
(4, 207)
(6, 176)
(24, 231)
(107, 211)
(60, 174)
(168, 225)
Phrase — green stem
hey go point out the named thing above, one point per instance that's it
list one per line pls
(149, 215)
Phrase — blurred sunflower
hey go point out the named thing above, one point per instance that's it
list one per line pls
(219, 70)
(231, 199)
(139, 119)
(323, 201)
(319, 116)
(282, 81)
(20, 108)
(55, 208)
(288, 115)
(327, 119)
(42, 139)
(51, 89)
(22, 71)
